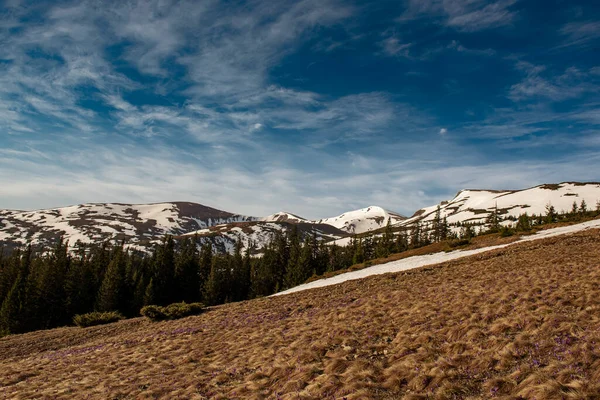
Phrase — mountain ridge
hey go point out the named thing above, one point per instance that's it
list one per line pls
(142, 225)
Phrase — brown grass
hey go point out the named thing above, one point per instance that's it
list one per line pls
(520, 322)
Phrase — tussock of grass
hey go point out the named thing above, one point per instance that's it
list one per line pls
(97, 318)
(172, 311)
(518, 322)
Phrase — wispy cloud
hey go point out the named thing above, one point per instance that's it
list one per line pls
(571, 84)
(464, 15)
(581, 33)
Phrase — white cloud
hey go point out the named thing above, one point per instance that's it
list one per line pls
(572, 83)
(443, 131)
(464, 15)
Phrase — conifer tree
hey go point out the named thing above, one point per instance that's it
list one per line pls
(583, 207)
(187, 278)
(359, 255)
(52, 309)
(415, 235)
(206, 256)
(550, 214)
(215, 288)
(111, 293)
(13, 310)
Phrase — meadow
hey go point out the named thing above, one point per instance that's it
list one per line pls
(521, 322)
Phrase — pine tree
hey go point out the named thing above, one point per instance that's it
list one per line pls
(52, 309)
(13, 310)
(523, 223)
(215, 288)
(574, 208)
(359, 255)
(111, 293)
(550, 214)
(444, 230)
(187, 279)
(415, 235)
(385, 243)
(493, 221)
(295, 249)
(240, 271)
(164, 271)
(437, 222)
(206, 256)
(583, 207)
(149, 294)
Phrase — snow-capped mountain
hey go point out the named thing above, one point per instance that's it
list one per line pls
(352, 222)
(363, 220)
(94, 223)
(475, 206)
(258, 234)
(284, 217)
(140, 225)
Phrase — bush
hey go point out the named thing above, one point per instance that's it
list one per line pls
(97, 318)
(459, 242)
(506, 232)
(172, 311)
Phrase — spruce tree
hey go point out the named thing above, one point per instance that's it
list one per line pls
(13, 310)
(111, 293)
(551, 214)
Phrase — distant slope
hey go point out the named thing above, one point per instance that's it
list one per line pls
(258, 234)
(94, 223)
(140, 225)
(476, 205)
(363, 220)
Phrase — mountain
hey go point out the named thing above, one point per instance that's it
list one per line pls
(140, 225)
(363, 220)
(258, 234)
(474, 206)
(93, 223)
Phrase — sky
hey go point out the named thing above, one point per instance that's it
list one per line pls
(315, 107)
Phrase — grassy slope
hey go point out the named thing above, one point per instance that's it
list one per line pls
(523, 321)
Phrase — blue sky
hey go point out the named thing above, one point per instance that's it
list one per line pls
(314, 107)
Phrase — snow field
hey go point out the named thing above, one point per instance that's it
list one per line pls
(436, 258)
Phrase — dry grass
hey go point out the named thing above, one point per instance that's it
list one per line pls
(520, 322)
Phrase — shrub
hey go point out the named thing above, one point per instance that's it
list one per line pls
(459, 242)
(97, 318)
(172, 311)
(506, 232)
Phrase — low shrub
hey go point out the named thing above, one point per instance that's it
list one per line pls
(172, 311)
(97, 318)
(459, 242)
(506, 232)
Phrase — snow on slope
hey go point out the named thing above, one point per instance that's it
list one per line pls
(258, 234)
(94, 223)
(363, 220)
(430, 259)
(476, 205)
(284, 217)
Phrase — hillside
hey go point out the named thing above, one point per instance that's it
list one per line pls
(475, 206)
(95, 223)
(516, 322)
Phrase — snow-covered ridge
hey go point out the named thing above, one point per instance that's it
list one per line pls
(476, 205)
(94, 223)
(363, 220)
(283, 216)
(141, 224)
